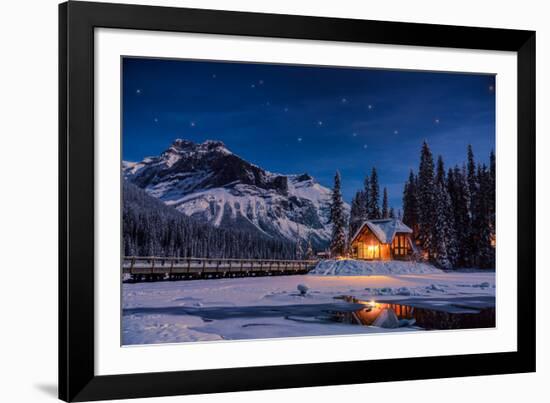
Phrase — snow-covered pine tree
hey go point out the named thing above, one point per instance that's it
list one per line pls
(385, 208)
(473, 192)
(472, 175)
(443, 236)
(357, 212)
(470, 245)
(391, 214)
(452, 239)
(310, 254)
(353, 213)
(482, 224)
(299, 249)
(410, 203)
(362, 205)
(458, 193)
(374, 196)
(338, 219)
(366, 197)
(425, 197)
(492, 192)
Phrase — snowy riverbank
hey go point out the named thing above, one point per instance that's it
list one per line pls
(266, 307)
(351, 267)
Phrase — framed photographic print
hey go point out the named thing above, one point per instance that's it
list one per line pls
(255, 201)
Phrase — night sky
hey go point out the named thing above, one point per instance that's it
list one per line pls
(295, 119)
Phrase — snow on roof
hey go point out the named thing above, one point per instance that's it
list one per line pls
(384, 229)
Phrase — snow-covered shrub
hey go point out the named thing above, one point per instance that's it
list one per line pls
(302, 288)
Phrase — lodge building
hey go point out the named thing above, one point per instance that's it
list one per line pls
(383, 239)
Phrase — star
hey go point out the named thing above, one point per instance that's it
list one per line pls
(213, 76)
(320, 123)
(252, 85)
(365, 146)
(299, 139)
(369, 106)
(344, 100)
(354, 134)
(396, 132)
(192, 124)
(261, 82)
(286, 109)
(138, 91)
(436, 120)
(491, 88)
(156, 120)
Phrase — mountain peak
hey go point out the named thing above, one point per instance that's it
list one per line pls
(208, 182)
(212, 144)
(185, 146)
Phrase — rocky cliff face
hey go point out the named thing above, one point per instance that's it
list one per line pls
(210, 183)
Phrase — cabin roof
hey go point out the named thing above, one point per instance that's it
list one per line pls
(384, 229)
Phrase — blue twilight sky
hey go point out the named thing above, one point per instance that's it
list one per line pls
(295, 119)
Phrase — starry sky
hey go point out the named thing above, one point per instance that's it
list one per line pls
(293, 119)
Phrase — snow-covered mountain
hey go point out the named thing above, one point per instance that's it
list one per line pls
(210, 183)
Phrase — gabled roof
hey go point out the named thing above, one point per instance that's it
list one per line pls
(384, 229)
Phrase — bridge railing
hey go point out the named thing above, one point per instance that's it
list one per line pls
(150, 267)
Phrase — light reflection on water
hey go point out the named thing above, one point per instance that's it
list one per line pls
(426, 318)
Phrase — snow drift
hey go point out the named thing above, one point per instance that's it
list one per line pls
(350, 267)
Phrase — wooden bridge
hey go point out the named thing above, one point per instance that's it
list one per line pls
(137, 268)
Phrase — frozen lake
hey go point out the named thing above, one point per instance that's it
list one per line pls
(267, 307)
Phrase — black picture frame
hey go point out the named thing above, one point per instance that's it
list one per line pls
(77, 21)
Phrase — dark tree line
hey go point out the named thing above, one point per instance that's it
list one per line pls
(452, 212)
(151, 228)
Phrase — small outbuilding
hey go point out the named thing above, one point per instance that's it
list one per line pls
(383, 239)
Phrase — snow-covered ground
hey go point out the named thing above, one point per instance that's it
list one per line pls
(351, 267)
(266, 307)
